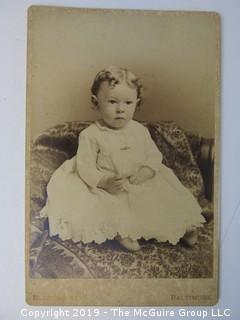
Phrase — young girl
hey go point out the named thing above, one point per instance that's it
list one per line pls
(116, 186)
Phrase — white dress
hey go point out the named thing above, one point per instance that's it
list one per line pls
(160, 208)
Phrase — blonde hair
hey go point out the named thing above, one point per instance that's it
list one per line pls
(116, 75)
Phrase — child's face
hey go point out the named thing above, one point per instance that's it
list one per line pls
(117, 104)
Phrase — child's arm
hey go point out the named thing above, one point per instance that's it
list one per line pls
(86, 160)
(152, 162)
(153, 155)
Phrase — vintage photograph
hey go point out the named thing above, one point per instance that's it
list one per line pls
(122, 157)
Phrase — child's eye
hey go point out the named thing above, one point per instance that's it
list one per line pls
(112, 101)
(129, 102)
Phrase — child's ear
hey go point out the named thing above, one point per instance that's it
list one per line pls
(94, 101)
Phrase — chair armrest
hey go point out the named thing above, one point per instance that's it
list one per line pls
(205, 161)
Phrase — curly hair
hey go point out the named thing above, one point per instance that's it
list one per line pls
(116, 75)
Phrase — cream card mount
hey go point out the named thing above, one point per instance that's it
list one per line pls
(176, 58)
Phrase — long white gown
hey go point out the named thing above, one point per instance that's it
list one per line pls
(77, 209)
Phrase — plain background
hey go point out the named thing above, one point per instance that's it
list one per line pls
(13, 18)
(175, 56)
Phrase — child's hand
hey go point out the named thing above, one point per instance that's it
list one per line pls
(113, 184)
(143, 174)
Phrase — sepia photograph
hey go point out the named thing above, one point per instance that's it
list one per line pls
(122, 159)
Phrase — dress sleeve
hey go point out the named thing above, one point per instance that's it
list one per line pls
(153, 155)
(86, 160)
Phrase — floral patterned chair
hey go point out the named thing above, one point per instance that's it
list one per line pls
(188, 155)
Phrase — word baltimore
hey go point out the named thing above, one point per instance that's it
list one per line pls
(167, 313)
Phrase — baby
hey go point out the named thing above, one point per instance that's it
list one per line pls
(116, 186)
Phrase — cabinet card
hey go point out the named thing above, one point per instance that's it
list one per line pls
(122, 172)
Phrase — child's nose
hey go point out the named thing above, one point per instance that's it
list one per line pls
(120, 107)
